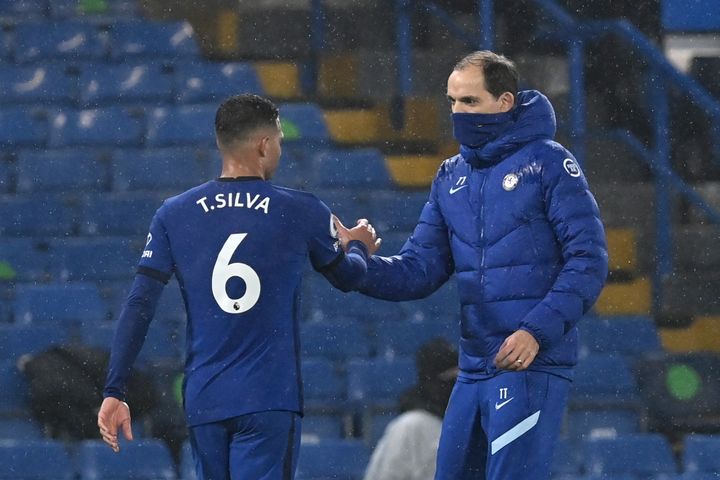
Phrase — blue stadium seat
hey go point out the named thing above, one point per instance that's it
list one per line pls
(213, 82)
(61, 171)
(68, 41)
(37, 84)
(36, 215)
(359, 168)
(347, 205)
(632, 336)
(7, 174)
(111, 9)
(324, 385)
(17, 340)
(191, 125)
(159, 346)
(138, 460)
(604, 380)
(59, 304)
(637, 454)
(171, 306)
(334, 341)
(701, 454)
(304, 123)
(23, 127)
(35, 460)
(378, 383)
(567, 459)
(156, 169)
(294, 172)
(102, 127)
(137, 84)
(22, 429)
(12, 10)
(605, 423)
(25, 259)
(318, 427)
(404, 337)
(14, 390)
(443, 305)
(149, 39)
(118, 214)
(393, 210)
(104, 258)
(187, 463)
(339, 460)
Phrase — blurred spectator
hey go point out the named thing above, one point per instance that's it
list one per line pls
(408, 447)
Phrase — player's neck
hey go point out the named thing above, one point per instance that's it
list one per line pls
(234, 168)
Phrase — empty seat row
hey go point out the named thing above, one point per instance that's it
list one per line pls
(19, 11)
(188, 125)
(98, 84)
(73, 41)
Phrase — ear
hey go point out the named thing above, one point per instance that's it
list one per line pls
(263, 146)
(507, 101)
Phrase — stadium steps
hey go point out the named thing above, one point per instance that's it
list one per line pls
(702, 335)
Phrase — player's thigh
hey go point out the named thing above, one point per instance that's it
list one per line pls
(264, 446)
(524, 418)
(463, 446)
(210, 450)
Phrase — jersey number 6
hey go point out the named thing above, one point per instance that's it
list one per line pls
(224, 271)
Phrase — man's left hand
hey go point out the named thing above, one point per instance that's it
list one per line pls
(517, 351)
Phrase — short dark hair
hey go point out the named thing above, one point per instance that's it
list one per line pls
(240, 115)
(499, 71)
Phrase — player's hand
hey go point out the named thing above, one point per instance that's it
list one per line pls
(517, 351)
(113, 415)
(363, 232)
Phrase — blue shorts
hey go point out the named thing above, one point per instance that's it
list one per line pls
(262, 446)
(501, 428)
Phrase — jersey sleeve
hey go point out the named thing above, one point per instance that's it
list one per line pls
(156, 260)
(573, 213)
(323, 243)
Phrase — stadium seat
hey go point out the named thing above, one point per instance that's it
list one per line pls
(24, 259)
(393, 210)
(159, 346)
(70, 304)
(21, 429)
(404, 337)
(443, 306)
(7, 174)
(339, 460)
(102, 127)
(35, 460)
(681, 392)
(148, 39)
(700, 454)
(567, 459)
(156, 169)
(304, 123)
(187, 463)
(200, 82)
(118, 214)
(317, 427)
(632, 336)
(111, 9)
(605, 423)
(139, 84)
(638, 454)
(604, 380)
(23, 127)
(61, 171)
(294, 172)
(14, 10)
(14, 390)
(324, 385)
(38, 84)
(36, 215)
(377, 383)
(359, 169)
(68, 41)
(91, 259)
(139, 460)
(334, 341)
(17, 340)
(191, 125)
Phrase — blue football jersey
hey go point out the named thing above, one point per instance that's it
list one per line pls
(238, 248)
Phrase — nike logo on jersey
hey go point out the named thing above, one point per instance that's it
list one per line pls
(498, 406)
(459, 185)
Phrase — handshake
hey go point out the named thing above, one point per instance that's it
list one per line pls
(363, 232)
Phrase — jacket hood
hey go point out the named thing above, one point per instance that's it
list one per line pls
(533, 119)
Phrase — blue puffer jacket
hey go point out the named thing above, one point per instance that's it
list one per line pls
(516, 222)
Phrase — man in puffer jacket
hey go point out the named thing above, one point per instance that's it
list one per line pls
(512, 216)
